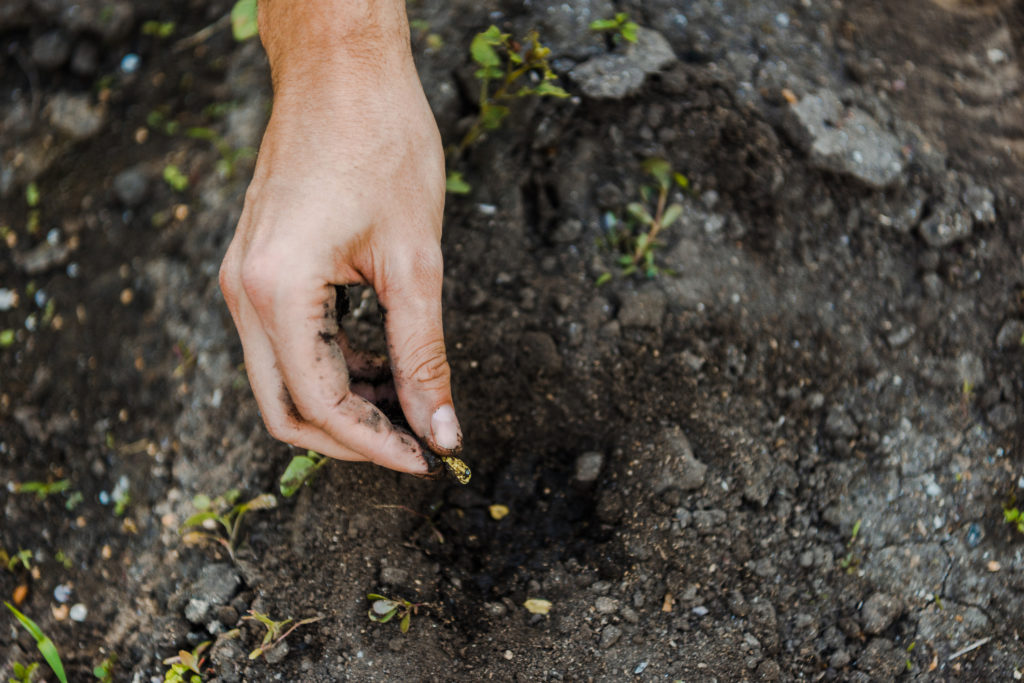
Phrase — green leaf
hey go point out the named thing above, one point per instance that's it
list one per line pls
(492, 116)
(231, 495)
(296, 474)
(173, 176)
(198, 519)
(455, 184)
(264, 501)
(603, 278)
(406, 620)
(488, 73)
(603, 25)
(671, 215)
(244, 23)
(201, 501)
(681, 180)
(6, 338)
(1011, 515)
(482, 47)
(628, 31)
(32, 195)
(660, 170)
(550, 89)
(45, 645)
(637, 211)
(375, 596)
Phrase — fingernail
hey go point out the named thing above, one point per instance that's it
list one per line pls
(445, 428)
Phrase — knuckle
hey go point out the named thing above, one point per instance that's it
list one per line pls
(257, 278)
(428, 365)
(282, 428)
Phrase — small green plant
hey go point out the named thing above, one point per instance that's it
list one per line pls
(43, 489)
(121, 496)
(22, 557)
(63, 559)
(23, 673)
(275, 631)
(225, 511)
(158, 29)
(508, 70)
(636, 238)
(104, 671)
(32, 195)
(43, 642)
(384, 609)
(619, 26)
(301, 470)
(186, 667)
(243, 20)
(850, 562)
(174, 178)
(1013, 515)
(6, 338)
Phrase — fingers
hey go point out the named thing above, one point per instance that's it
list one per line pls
(298, 319)
(412, 299)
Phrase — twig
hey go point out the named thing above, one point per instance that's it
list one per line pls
(202, 34)
(973, 646)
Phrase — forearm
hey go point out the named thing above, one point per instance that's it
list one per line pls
(310, 41)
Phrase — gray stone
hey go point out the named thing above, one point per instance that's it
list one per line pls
(944, 227)
(840, 424)
(588, 467)
(85, 59)
(217, 584)
(679, 467)
(276, 654)
(970, 370)
(645, 308)
(705, 521)
(196, 610)
(43, 257)
(610, 635)
(1002, 416)
(980, 203)
(565, 26)
(75, 116)
(844, 141)
(130, 186)
(878, 613)
(1010, 335)
(901, 336)
(606, 605)
(50, 50)
(618, 75)
(568, 231)
(393, 576)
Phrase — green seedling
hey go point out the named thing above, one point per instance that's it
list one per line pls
(850, 562)
(636, 238)
(22, 557)
(508, 70)
(186, 667)
(104, 671)
(385, 609)
(158, 29)
(619, 26)
(43, 642)
(63, 559)
(23, 673)
(243, 20)
(456, 184)
(6, 338)
(174, 178)
(229, 156)
(121, 496)
(32, 195)
(275, 631)
(43, 489)
(301, 470)
(1013, 514)
(75, 499)
(223, 517)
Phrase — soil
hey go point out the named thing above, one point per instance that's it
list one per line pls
(785, 457)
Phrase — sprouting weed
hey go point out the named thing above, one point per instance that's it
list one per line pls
(301, 470)
(186, 667)
(850, 562)
(619, 26)
(383, 609)
(275, 631)
(46, 647)
(1013, 514)
(43, 489)
(223, 517)
(635, 238)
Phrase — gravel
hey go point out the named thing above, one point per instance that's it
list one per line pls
(588, 467)
(75, 116)
(945, 226)
(217, 584)
(879, 611)
(619, 75)
(680, 468)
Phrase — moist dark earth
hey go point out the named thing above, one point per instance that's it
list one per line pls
(785, 457)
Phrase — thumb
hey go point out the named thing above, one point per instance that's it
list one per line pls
(419, 363)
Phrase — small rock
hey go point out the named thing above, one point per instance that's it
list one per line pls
(878, 613)
(1010, 335)
(970, 370)
(974, 535)
(568, 231)
(840, 424)
(981, 203)
(619, 75)
(62, 592)
(610, 635)
(50, 50)
(881, 660)
(705, 521)
(945, 227)
(393, 576)
(276, 654)
(681, 468)
(78, 612)
(932, 285)
(130, 186)
(217, 584)
(645, 308)
(1002, 416)
(196, 610)
(588, 467)
(844, 141)
(43, 257)
(606, 605)
(768, 670)
(900, 337)
(85, 59)
(75, 116)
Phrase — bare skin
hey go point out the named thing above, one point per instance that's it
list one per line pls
(348, 188)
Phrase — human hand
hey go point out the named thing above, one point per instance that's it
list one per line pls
(348, 188)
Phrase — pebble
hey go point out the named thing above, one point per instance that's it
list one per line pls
(1010, 335)
(85, 59)
(700, 611)
(217, 584)
(588, 467)
(945, 227)
(8, 299)
(196, 610)
(130, 186)
(970, 370)
(879, 612)
(62, 592)
(130, 63)
(1002, 416)
(50, 50)
(619, 75)
(974, 535)
(981, 203)
(393, 576)
(567, 231)
(75, 116)
(681, 469)
(645, 308)
(606, 605)
(276, 654)
(78, 612)
(705, 521)
(610, 635)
